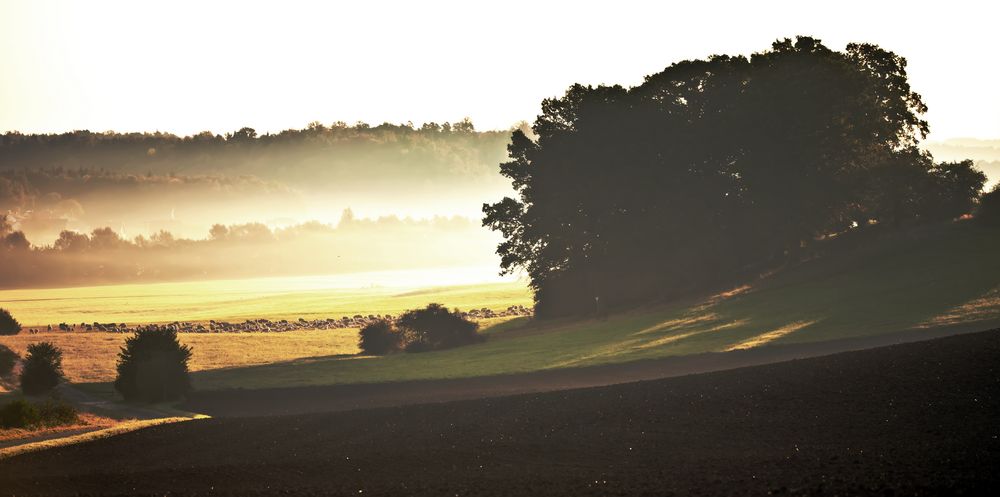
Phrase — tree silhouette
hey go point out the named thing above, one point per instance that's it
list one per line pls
(379, 338)
(713, 167)
(435, 328)
(42, 368)
(8, 325)
(153, 366)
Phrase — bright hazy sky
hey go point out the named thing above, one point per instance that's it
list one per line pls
(184, 67)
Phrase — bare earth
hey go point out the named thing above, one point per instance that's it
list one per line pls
(910, 419)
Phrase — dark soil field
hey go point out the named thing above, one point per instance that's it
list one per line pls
(912, 419)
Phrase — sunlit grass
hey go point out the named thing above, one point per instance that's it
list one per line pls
(91, 357)
(949, 279)
(899, 286)
(233, 300)
(85, 421)
(769, 336)
(115, 428)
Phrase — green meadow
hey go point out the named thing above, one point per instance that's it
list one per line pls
(947, 278)
(236, 300)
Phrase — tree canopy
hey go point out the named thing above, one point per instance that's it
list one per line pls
(715, 166)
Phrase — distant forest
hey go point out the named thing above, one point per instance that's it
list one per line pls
(104, 256)
(332, 152)
(86, 207)
(716, 170)
(142, 183)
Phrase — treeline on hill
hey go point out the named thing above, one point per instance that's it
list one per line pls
(716, 169)
(81, 180)
(240, 250)
(328, 152)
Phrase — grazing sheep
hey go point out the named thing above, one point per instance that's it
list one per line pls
(263, 325)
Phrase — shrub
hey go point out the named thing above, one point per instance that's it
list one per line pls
(380, 338)
(435, 328)
(988, 212)
(56, 413)
(8, 325)
(8, 358)
(23, 414)
(19, 414)
(42, 368)
(153, 367)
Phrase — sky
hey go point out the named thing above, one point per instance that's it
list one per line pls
(189, 66)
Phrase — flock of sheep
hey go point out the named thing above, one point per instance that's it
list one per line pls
(268, 326)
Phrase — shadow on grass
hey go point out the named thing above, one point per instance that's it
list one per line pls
(892, 285)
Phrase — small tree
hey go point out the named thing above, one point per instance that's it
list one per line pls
(23, 414)
(42, 368)
(435, 328)
(153, 366)
(380, 338)
(8, 325)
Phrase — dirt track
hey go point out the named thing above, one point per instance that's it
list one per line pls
(913, 419)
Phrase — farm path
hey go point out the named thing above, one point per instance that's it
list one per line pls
(124, 417)
(98, 405)
(17, 442)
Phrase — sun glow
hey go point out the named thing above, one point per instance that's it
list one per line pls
(222, 65)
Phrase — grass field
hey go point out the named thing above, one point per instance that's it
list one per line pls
(90, 357)
(270, 298)
(949, 278)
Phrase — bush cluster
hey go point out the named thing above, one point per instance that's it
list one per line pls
(431, 328)
(153, 367)
(380, 338)
(23, 414)
(19, 414)
(57, 413)
(42, 369)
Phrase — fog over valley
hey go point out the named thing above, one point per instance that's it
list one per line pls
(120, 207)
(139, 184)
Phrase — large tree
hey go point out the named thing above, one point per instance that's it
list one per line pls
(710, 167)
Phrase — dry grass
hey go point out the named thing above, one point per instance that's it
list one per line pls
(86, 421)
(770, 336)
(117, 428)
(980, 309)
(91, 357)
